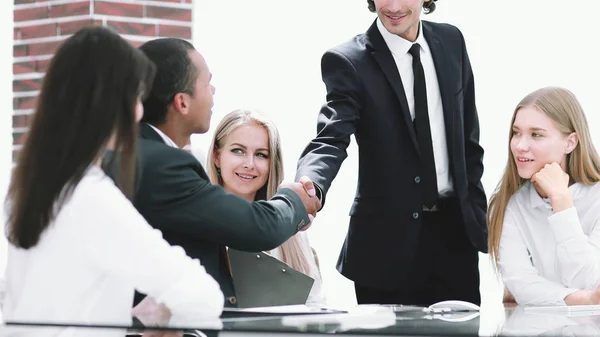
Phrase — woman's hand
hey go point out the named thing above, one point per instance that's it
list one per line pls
(554, 183)
(584, 297)
(151, 313)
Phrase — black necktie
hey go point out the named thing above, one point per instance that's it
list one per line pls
(428, 176)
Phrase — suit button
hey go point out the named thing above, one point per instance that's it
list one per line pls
(417, 179)
(415, 215)
(232, 300)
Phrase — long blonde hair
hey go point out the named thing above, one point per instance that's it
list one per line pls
(291, 250)
(583, 163)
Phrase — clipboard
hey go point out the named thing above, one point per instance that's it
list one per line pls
(260, 280)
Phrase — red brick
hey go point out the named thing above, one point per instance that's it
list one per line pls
(15, 34)
(131, 28)
(118, 9)
(173, 1)
(19, 138)
(27, 85)
(20, 50)
(175, 31)
(42, 65)
(136, 44)
(68, 28)
(19, 2)
(27, 14)
(72, 9)
(21, 103)
(22, 121)
(32, 32)
(169, 13)
(44, 48)
(15, 155)
(24, 67)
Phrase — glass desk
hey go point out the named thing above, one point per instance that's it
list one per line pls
(507, 321)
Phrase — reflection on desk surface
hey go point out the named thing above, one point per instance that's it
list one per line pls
(521, 323)
(372, 321)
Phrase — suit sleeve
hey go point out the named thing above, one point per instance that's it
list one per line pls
(473, 151)
(323, 157)
(174, 196)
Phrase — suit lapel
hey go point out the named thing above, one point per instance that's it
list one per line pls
(440, 60)
(383, 56)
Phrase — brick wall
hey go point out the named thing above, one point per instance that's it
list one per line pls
(41, 26)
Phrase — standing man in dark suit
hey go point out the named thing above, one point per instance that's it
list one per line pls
(174, 193)
(405, 90)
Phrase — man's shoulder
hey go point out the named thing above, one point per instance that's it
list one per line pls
(442, 29)
(351, 48)
(153, 153)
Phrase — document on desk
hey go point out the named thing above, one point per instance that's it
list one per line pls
(260, 280)
(449, 311)
(436, 308)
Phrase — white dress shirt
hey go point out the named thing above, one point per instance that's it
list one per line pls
(89, 260)
(316, 297)
(164, 136)
(546, 256)
(399, 48)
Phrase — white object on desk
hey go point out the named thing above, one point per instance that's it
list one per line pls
(452, 306)
(286, 309)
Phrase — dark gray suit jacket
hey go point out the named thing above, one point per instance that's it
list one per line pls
(365, 97)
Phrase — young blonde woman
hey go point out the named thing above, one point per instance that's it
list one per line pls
(543, 232)
(245, 158)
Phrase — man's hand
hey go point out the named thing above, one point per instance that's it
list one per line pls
(306, 190)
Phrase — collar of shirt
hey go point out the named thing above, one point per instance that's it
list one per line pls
(165, 138)
(400, 46)
(537, 201)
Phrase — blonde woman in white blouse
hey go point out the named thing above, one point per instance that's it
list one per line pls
(245, 158)
(77, 246)
(544, 235)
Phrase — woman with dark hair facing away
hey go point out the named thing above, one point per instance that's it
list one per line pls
(78, 248)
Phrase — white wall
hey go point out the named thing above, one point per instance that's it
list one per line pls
(6, 43)
(268, 57)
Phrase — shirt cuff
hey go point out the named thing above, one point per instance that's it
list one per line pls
(565, 225)
(319, 193)
(564, 293)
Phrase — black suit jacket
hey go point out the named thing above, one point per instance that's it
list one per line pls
(175, 195)
(365, 97)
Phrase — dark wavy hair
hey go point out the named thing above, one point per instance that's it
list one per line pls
(88, 95)
(428, 6)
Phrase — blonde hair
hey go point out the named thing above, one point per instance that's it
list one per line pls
(291, 250)
(583, 163)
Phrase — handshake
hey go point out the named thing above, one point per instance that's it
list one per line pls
(308, 193)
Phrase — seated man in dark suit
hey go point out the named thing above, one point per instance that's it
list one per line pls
(174, 193)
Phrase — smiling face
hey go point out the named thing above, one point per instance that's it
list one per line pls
(244, 160)
(536, 141)
(400, 17)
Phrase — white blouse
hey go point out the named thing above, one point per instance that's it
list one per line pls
(90, 259)
(546, 256)
(316, 297)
